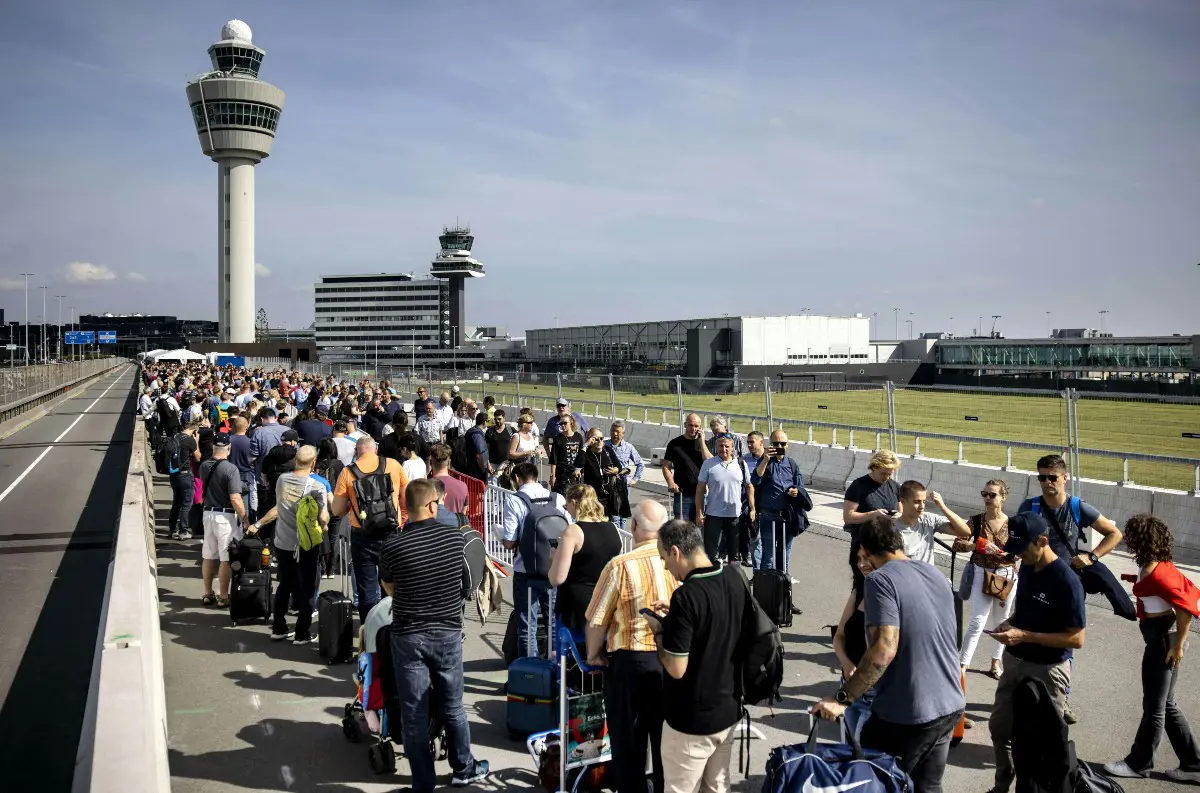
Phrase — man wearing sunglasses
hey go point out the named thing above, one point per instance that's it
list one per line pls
(783, 503)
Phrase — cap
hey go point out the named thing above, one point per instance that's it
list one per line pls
(323, 409)
(289, 435)
(221, 439)
(1023, 529)
(562, 402)
(454, 390)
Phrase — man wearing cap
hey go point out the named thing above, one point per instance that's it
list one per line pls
(224, 519)
(563, 408)
(1047, 623)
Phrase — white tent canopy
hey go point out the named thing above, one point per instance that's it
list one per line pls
(178, 355)
(153, 354)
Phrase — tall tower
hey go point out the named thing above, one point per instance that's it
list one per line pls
(236, 115)
(455, 264)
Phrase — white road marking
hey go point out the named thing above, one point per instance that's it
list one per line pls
(46, 451)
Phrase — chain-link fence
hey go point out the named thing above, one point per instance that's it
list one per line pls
(1135, 439)
(22, 383)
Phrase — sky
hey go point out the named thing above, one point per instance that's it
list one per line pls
(628, 160)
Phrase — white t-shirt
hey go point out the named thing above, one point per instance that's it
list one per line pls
(345, 448)
(723, 487)
(918, 538)
(415, 468)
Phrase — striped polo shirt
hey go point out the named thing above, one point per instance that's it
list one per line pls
(629, 583)
(424, 562)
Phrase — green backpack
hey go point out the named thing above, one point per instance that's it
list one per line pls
(308, 524)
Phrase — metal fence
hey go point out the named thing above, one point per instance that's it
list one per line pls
(22, 383)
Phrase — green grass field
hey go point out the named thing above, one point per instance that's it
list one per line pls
(1127, 426)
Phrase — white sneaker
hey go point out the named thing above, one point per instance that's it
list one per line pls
(174, 534)
(1121, 769)
(1180, 775)
(282, 637)
(309, 640)
(185, 535)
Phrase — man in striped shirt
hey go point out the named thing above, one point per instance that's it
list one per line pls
(634, 685)
(420, 566)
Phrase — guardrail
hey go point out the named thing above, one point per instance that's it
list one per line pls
(24, 388)
(123, 748)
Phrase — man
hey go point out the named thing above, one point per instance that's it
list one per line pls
(419, 404)
(478, 466)
(268, 435)
(633, 691)
(430, 430)
(719, 487)
(365, 548)
(246, 396)
(697, 644)
(1068, 535)
(752, 537)
(220, 413)
(525, 476)
(312, 428)
(421, 569)
(783, 501)
(239, 455)
(444, 412)
(345, 446)
(918, 527)
(498, 438)
(681, 467)
(439, 467)
(873, 493)
(911, 659)
(148, 414)
(224, 519)
(183, 484)
(489, 406)
(628, 459)
(280, 460)
(1047, 623)
(562, 408)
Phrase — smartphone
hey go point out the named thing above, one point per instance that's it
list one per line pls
(648, 614)
(893, 513)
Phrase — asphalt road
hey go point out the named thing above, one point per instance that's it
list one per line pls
(62, 478)
(247, 714)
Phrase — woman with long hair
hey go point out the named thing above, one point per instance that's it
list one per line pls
(850, 638)
(566, 456)
(987, 611)
(585, 547)
(1166, 603)
(523, 448)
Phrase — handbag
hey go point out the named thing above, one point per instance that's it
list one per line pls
(997, 586)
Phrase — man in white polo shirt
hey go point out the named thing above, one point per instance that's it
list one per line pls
(719, 489)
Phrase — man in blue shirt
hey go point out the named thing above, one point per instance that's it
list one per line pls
(1047, 623)
(552, 424)
(782, 503)
(629, 459)
(751, 537)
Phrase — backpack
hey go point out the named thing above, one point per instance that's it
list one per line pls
(761, 654)
(308, 523)
(458, 454)
(544, 524)
(373, 497)
(168, 460)
(474, 561)
(829, 767)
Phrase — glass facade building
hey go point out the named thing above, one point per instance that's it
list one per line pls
(1169, 354)
(638, 343)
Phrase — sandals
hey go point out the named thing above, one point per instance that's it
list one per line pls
(995, 672)
(222, 603)
(208, 600)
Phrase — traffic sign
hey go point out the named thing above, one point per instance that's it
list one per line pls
(11, 347)
(80, 337)
(107, 336)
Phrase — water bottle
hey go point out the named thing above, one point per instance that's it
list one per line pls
(266, 556)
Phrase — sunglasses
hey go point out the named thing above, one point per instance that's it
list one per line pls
(1047, 477)
(987, 494)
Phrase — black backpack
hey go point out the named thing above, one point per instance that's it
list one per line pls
(458, 454)
(373, 496)
(761, 654)
(168, 460)
(543, 527)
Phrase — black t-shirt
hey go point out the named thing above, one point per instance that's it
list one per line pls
(1049, 600)
(565, 456)
(704, 623)
(205, 443)
(187, 447)
(870, 496)
(685, 457)
(279, 459)
(498, 443)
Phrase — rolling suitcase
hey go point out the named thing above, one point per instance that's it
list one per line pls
(250, 595)
(533, 686)
(773, 588)
(335, 618)
(245, 555)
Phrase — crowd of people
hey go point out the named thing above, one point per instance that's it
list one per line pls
(667, 616)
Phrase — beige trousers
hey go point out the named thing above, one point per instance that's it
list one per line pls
(696, 763)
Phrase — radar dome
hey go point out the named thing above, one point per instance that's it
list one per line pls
(235, 29)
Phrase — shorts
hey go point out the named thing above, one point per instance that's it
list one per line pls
(220, 529)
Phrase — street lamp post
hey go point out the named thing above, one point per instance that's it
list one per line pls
(60, 327)
(909, 321)
(896, 316)
(27, 316)
(45, 356)
(1047, 324)
(1103, 311)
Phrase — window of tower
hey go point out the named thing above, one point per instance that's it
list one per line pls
(235, 114)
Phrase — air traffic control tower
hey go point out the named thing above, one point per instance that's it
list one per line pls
(236, 115)
(455, 264)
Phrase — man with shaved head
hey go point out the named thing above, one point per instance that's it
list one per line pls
(633, 693)
(681, 467)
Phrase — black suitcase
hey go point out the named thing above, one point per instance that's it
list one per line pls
(250, 596)
(245, 555)
(773, 588)
(335, 618)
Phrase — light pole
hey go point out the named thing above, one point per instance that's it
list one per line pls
(896, 316)
(44, 289)
(27, 316)
(979, 330)
(1047, 324)
(60, 327)
(454, 342)
(910, 324)
(72, 310)
(951, 326)
(875, 323)
(1103, 311)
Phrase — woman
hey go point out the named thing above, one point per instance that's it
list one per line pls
(584, 549)
(329, 466)
(721, 430)
(874, 492)
(850, 639)
(1166, 604)
(523, 448)
(986, 611)
(602, 471)
(566, 456)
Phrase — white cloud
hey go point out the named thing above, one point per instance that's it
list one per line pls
(12, 283)
(136, 278)
(261, 270)
(86, 273)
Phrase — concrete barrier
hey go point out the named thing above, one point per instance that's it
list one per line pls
(834, 467)
(123, 747)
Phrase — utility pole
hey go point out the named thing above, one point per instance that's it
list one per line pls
(59, 354)
(45, 357)
(27, 316)
(896, 316)
(72, 310)
(1047, 324)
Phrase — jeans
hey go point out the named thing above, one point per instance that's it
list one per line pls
(297, 579)
(619, 522)
(633, 695)
(423, 660)
(1159, 711)
(986, 612)
(527, 619)
(773, 529)
(364, 559)
(751, 546)
(859, 712)
(1057, 678)
(720, 536)
(921, 749)
(683, 506)
(183, 489)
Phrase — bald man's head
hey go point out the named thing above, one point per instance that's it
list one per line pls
(648, 516)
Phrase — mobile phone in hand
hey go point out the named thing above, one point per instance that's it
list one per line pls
(648, 614)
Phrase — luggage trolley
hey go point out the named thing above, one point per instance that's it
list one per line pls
(581, 718)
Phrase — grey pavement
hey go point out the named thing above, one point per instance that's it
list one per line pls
(246, 714)
(62, 478)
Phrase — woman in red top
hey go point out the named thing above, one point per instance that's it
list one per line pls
(1166, 602)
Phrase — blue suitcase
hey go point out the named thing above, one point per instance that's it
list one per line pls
(533, 687)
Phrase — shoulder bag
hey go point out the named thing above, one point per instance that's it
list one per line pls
(1096, 578)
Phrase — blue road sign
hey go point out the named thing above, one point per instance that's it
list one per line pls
(80, 337)
(107, 336)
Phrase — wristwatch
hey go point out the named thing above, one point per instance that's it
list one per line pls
(1093, 557)
(841, 697)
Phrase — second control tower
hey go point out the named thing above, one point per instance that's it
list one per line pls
(455, 264)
